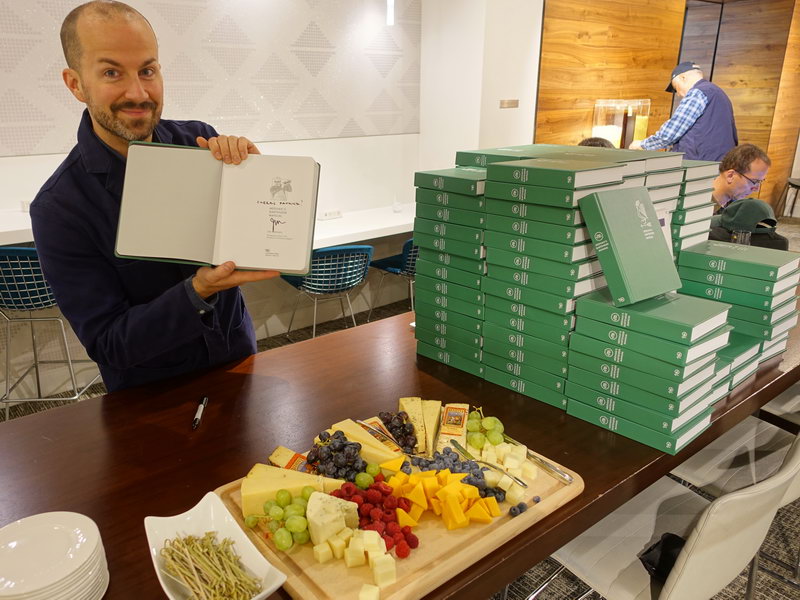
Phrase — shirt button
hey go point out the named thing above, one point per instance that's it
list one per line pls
(201, 312)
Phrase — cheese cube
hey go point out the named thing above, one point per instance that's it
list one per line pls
(354, 554)
(337, 545)
(384, 571)
(372, 541)
(501, 450)
(511, 461)
(516, 472)
(345, 534)
(520, 451)
(515, 494)
(529, 470)
(369, 592)
(505, 483)
(492, 477)
(323, 552)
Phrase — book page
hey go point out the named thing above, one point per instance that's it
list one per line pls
(169, 203)
(266, 213)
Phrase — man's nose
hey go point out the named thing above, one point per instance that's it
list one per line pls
(136, 90)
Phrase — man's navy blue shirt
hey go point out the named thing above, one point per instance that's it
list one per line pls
(138, 320)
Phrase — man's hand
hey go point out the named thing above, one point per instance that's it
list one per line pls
(635, 146)
(228, 148)
(208, 281)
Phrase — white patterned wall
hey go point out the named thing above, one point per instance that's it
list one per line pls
(267, 69)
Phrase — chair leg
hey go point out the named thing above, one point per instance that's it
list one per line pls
(585, 595)
(352, 314)
(314, 324)
(751, 579)
(294, 310)
(411, 292)
(69, 358)
(35, 359)
(7, 397)
(344, 312)
(535, 593)
(375, 298)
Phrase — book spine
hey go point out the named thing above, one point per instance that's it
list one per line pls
(528, 296)
(467, 218)
(443, 356)
(536, 281)
(526, 388)
(665, 350)
(723, 294)
(592, 391)
(452, 290)
(607, 253)
(533, 229)
(472, 265)
(448, 230)
(531, 194)
(544, 363)
(538, 376)
(516, 339)
(448, 199)
(455, 304)
(459, 185)
(449, 246)
(451, 332)
(640, 379)
(530, 326)
(457, 276)
(471, 351)
(626, 410)
(725, 265)
(535, 264)
(734, 282)
(448, 317)
(633, 321)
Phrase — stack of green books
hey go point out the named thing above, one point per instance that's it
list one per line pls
(759, 283)
(449, 229)
(648, 370)
(692, 218)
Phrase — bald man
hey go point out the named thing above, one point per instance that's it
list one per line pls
(141, 321)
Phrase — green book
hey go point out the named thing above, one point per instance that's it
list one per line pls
(662, 178)
(470, 218)
(443, 356)
(765, 332)
(760, 287)
(524, 357)
(542, 266)
(630, 246)
(674, 353)
(452, 290)
(472, 265)
(762, 316)
(656, 385)
(448, 199)
(671, 316)
(697, 185)
(530, 326)
(700, 198)
(448, 317)
(724, 294)
(556, 304)
(744, 372)
(469, 181)
(682, 231)
(552, 285)
(529, 373)
(664, 193)
(448, 230)
(774, 350)
(470, 349)
(470, 309)
(692, 215)
(457, 334)
(537, 194)
(534, 212)
(516, 339)
(563, 253)
(622, 356)
(449, 246)
(487, 156)
(531, 313)
(457, 276)
(566, 174)
(574, 234)
(740, 349)
(679, 244)
(700, 169)
(736, 259)
(526, 388)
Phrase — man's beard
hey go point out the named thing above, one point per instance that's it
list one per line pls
(138, 130)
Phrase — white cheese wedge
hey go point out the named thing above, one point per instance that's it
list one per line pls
(328, 515)
(263, 482)
(372, 450)
(413, 407)
(431, 409)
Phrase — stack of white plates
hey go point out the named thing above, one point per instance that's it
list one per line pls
(52, 556)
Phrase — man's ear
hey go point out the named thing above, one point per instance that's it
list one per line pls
(729, 175)
(73, 82)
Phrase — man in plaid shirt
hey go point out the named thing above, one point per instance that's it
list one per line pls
(702, 126)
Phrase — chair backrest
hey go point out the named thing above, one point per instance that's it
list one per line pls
(410, 254)
(22, 284)
(728, 534)
(336, 269)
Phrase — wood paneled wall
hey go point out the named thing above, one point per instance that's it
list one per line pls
(604, 49)
(699, 36)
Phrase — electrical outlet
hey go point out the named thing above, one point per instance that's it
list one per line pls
(329, 214)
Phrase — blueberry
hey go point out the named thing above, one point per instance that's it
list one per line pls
(522, 507)
(513, 511)
(500, 494)
(537, 499)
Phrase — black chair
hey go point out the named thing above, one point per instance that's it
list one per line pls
(792, 185)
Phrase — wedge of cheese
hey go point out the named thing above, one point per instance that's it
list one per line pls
(372, 450)
(264, 481)
(431, 409)
(453, 425)
(328, 515)
(288, 459)
(413, 406)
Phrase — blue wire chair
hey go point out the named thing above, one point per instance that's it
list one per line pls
(23, 288)
(334, 272)
(404, 265)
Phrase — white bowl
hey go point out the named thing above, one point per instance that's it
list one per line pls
(210, 514)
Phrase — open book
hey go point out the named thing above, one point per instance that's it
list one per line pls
(181, 204)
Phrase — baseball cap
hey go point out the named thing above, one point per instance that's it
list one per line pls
(681, 68)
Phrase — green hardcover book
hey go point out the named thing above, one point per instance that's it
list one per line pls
(739, 350)
(529, 296)
(575, 234)
(449, 317)
(451, 290)
(526, 388)
(762, 316)
(670, 443)
(551, 285)
(765, 332)
(671, 316)
(683, 231)
(534, 212)
(448, 230)
(455, 304)
(679, 244)
(700, 169)
(655, 385)
(516, 339)
(449, 246)
(632, 251)
(662, 178)
(531, 264)
(774, 350)
(527, 372)
(469, 218)
(532, 313)
(487, 156)
(531, 326)
(743, 373)
(472, 265)
(739, 282)
(692, 215)
(622, 356)
(664, 193)
(566, 174)
(448, 358)
(562, 253)
(457, 276)
(539, 361)
(448, 199)
(674, 353)
(723, 369)
(470, 350)
(700, 198)
(634, 162)
(724, 294)
(697, 185)
(457, 334)
(469, 181)
(736, 259)
(536, 194)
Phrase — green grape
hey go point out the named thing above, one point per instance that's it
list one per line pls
(372, 469)
(294, 510)
(276, 513)
(498, 426)
(296, 524)
(494, 437)
(283, 539)
(251, 521)
(273, 526)
(301, 537)
(473, 425)
(476, 440)
(299, 500)
(364, 480)
(474, 415)
(307, 491)
(269, 504)
(283, 498)
(489, 423)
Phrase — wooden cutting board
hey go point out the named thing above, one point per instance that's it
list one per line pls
(440, 555)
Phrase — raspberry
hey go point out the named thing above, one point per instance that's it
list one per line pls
(406, 530)
(374, 497)
(376, 514)
(392, 527)
(404, 503)
(348, 488)
(402, 550)
(364, 509)
(390, 502)
(357, 499)
(379, 526)
(389, 541)
(363, 522)
(379, 478)
(413, 540)
(337, 493)
(398, 537)
(384, 488)
(389, 515)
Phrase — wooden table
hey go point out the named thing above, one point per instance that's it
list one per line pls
(131, 454)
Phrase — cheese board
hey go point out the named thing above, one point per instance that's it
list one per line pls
(441, 554)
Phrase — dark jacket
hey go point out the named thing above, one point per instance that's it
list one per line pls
(714, 132)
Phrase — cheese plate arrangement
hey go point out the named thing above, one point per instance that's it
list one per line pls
(391, 507)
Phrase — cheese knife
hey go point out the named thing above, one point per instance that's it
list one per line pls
(463, 451)
(546, 465)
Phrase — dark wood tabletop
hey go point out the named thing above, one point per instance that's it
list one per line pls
(131, 454)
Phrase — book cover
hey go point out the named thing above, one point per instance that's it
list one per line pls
(661, 178)
(528, 325)
(736, 259)
(534, 264)
(700, 169)
(451, 274)
(563, 253)
(701, 198)
(469, 218)
(630, 246)
(517, 339)
(447, 288)
(449, 317)
(686, 216)
(526, 388)
(543, 300)
(760, 287)
(180, 204)
(469, 181)
(552, 285)
(631, 162)
(762, 316)
(570, 234)
(486, 156)
(448, 358)
(671, 316)
(451, 200)
(534, 212)
(529, 373)
(738, 297)
(448, 230)
(536, 194)
(448, 246)
(554, 172)
(473, 265)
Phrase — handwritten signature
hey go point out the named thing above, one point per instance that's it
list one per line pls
(276, 222)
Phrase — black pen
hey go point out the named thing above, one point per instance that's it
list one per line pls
(199, 414)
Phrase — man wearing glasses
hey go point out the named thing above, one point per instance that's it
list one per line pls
(741, 173)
